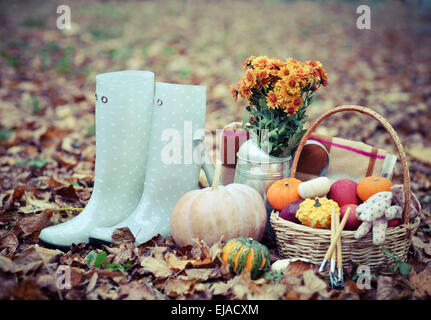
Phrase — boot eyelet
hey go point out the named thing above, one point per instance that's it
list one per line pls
(159, 102)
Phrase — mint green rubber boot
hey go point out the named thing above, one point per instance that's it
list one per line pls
(172, 170)
(124, 105)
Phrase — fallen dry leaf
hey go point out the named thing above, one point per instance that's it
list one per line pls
(177, 287)
(137, 291)
(6, 264)
(313, 285)
(176, 263)
(200, 274)
(421, 283)
(76, 276)
(67, 193)
(157, 266)
(35, 205)
(8, 282)
(126, 254)
(420, 154)
(122, 235)
(220, 289)
(8, 243)
(422, 245)
(35, 223)
(105, 291)
(297, 268)
(27, 290)
(47, 255)
(421, 250)
(48, 281)
(385, 290)
(27, 261)
(92, 283)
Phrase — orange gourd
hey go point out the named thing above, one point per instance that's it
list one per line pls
(369, 186)
(283, 192)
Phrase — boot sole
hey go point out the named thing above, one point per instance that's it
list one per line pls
(92, 241)
(54, 246)
(98, 242)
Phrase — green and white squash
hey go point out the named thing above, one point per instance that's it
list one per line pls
(246, 253)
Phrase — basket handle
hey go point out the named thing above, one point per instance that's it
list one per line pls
(400, 150)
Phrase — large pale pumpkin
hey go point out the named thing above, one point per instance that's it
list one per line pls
(231, 211)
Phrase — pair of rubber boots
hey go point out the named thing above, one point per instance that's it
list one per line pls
(146, 133)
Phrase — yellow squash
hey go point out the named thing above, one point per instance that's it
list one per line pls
(316, 213)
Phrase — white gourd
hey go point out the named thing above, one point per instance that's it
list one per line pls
(318, 187)
(280, 265)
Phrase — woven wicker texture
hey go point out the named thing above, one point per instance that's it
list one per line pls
(299, 241)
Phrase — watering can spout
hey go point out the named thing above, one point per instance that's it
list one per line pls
(207, 163)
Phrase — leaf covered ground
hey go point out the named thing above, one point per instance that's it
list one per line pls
(47, 142)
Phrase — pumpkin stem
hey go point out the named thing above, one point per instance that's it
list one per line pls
(317, 203)
(217, 174)
(286, 184)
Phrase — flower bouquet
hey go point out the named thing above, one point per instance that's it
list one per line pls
(278, 93)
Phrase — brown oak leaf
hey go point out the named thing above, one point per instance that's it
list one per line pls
(157, 266)
(421, 283)
(137, 290)
(34, 223)
(8, 243)
(312, 285)
(122, 235)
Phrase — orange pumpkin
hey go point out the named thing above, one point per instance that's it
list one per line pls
(371, 185)
(283, 192)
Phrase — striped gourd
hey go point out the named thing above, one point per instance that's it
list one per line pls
(246, 253)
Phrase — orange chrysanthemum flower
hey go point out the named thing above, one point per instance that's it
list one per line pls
(292, 82)
(234, 93)
(272, 100)
(293, 105)
(247, 62)
(243, 90)
(304, 76)
(297, 102)
(281, 89)
(294, 64)
(284, 72)
(276, 63)
(263, 76)
(313, 63)
(323, 76)
(261, 62)
(293, 92)
(319, 74)
(250, 78)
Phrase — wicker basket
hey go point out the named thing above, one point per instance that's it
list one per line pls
(299, 241)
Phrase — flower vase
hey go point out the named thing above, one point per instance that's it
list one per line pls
(258, 169)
